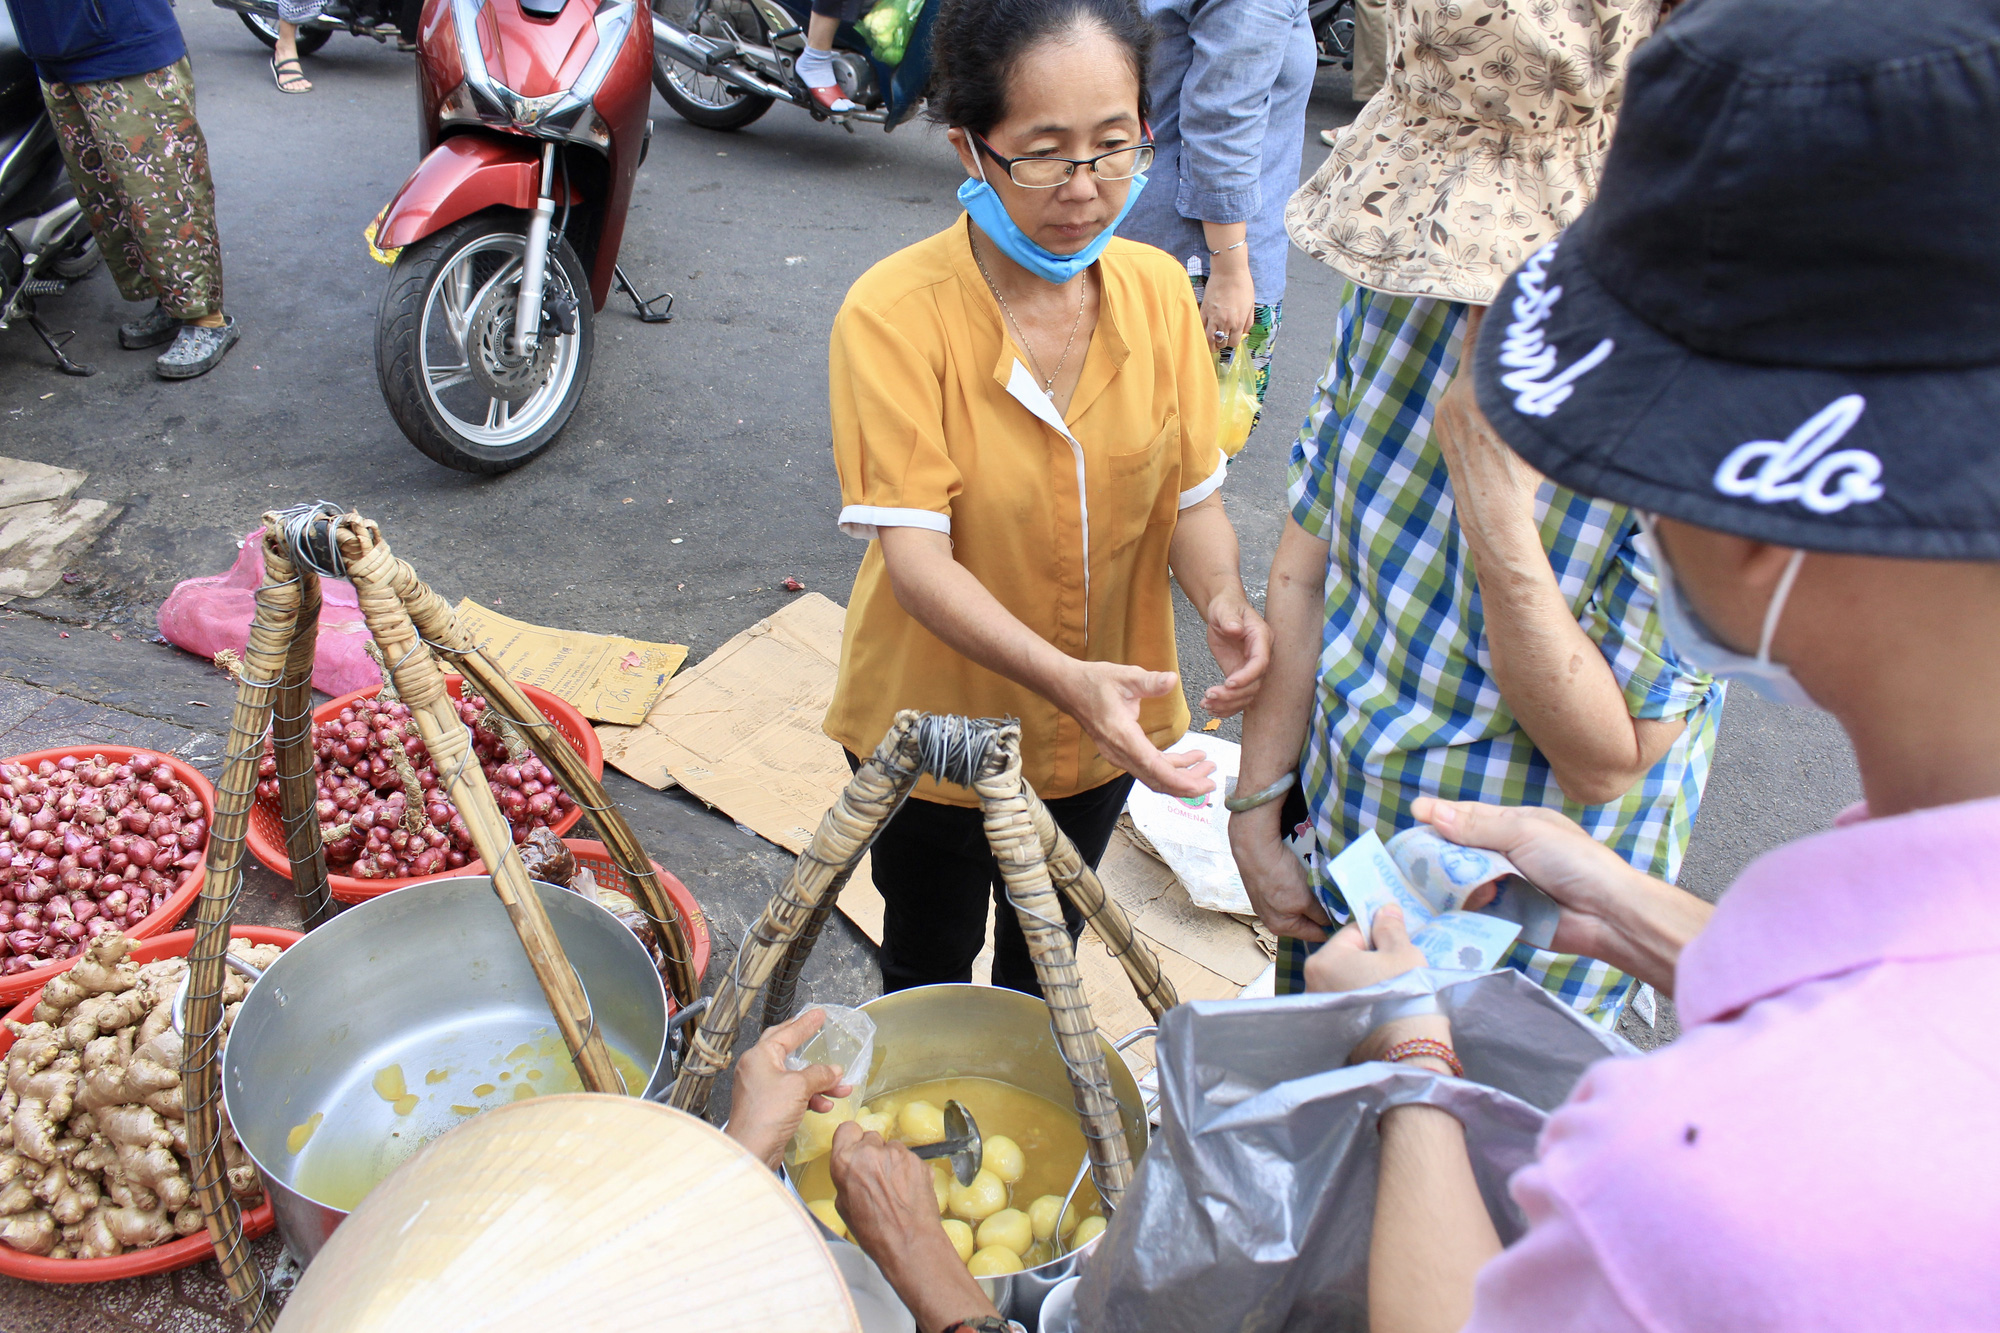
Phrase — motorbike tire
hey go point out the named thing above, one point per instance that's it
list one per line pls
(731, 113)
(266, 31)
(400, 330)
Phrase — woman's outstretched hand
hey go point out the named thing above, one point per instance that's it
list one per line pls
(1104, 698)
(1241, 644)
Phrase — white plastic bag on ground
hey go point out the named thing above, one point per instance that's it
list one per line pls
(1192, 835)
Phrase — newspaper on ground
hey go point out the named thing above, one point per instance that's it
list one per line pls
(607, 677)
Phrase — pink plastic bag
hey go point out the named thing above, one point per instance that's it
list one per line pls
(209, 614)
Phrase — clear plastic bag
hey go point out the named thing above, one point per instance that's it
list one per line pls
(847, 1042)
(1237, 376)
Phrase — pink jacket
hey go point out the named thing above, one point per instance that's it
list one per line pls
(1821, 1149)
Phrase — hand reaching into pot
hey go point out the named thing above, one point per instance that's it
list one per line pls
(770, 1100)
(883, 1191)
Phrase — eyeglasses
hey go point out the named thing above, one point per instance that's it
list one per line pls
(1045, 173)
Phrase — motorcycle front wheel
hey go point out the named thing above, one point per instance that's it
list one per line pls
(698, 98)
(310, 39)
(444, 346)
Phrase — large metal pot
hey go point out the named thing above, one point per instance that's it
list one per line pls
(957, 1031)
(431, 978)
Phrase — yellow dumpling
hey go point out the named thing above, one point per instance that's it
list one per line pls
(1010, 1228)
(824, 1210)
(985, 1196)
(942, 1180)
(960, 1236)
(1087, 1231)
(1042, 1216)
(993, 1261)
(920, 1122)
(1004, 1158)
(815, 1136)
(873, 1122)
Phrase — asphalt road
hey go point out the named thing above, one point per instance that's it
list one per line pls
(711, 429)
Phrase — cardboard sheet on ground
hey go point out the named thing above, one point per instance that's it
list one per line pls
(742, 729)
(608, 677)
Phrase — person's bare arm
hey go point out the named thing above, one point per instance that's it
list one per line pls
(1552, 675)
(1104, 697)
(1432, 1231)
(1274, 732)
(884, 1194)
(1207, 562)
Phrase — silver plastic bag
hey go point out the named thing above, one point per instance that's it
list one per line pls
(1253, 1206)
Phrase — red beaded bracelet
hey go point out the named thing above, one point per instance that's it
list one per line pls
(1431, 1046)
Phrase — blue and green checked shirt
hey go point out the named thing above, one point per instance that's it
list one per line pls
(1405, 705)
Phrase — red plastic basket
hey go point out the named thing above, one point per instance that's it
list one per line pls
(266, 837)
(596, 858)
(175, 1253)
(178, 902)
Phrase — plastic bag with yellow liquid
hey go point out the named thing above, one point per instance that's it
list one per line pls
(1237, 376)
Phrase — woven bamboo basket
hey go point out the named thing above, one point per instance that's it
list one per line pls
(1036, 860)
(414, 628)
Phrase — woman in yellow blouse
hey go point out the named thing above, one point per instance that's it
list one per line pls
(1024, 421)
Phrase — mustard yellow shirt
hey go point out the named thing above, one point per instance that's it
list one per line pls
(938, 423)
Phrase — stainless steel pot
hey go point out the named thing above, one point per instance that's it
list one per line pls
(431, 979)
(957, 1031)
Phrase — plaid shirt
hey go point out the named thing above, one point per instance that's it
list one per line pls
(1406, 705)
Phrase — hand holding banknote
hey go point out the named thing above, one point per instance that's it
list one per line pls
(1350, 962)
(1607, 909)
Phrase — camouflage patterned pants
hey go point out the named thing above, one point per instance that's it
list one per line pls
(140, 168)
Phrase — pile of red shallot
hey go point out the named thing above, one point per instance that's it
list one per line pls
(383, 813)
(86, 846)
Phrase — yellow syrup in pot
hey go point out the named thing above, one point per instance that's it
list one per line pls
(1050, 1141)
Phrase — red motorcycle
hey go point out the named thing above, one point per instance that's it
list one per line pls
(533, 117)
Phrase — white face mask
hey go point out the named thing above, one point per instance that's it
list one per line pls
(1700, 651)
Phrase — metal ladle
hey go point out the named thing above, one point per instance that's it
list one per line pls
(961, 1144)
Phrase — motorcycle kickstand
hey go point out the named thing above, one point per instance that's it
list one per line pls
(55, 342)
(646, 312)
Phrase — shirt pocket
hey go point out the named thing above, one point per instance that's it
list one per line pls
(1144, 486)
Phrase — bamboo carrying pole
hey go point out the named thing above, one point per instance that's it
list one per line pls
(274, 694)
(268, 663)
(440, 629)
(1035, 858)
(421, 685)
(1010, 830)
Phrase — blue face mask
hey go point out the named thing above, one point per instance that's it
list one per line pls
(1699, 650)
(992, 218)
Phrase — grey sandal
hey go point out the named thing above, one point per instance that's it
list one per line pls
(197, 350)
(149, 330)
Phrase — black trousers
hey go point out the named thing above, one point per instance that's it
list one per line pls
(937, 875)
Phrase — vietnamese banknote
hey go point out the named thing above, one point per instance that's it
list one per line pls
(1429, 882)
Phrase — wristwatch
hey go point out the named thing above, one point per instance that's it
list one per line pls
(986, 1323)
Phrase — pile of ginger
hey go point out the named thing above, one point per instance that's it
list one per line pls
(93, 1146)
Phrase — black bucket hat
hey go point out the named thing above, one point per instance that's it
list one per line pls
(1781, 316)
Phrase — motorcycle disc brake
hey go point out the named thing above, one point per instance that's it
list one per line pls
(494, 364)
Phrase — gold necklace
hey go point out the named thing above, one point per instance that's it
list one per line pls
(1082, 295)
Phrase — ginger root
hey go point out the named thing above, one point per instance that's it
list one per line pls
(93, 1143)
(102, 968)
(31, 1233)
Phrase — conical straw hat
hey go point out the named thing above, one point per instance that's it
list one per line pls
(569, 1212)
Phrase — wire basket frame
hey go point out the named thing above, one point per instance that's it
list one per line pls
(1035, 859)
(274, 693)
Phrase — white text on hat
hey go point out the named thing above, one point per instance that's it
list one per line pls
(1798, 467)
(1531, 356)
